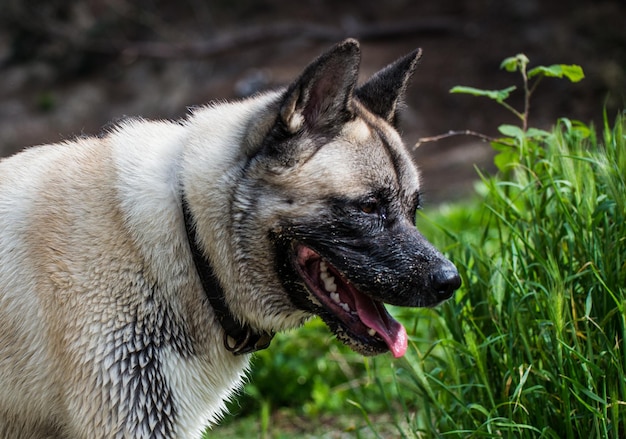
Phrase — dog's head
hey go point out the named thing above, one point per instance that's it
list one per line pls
(334, 194)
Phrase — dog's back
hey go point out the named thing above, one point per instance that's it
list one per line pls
(95, 339)
(36, 206)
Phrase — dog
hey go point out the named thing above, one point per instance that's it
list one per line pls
(139, 270)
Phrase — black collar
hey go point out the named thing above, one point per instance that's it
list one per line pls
(238, 339)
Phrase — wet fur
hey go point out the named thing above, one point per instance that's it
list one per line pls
(105, 329)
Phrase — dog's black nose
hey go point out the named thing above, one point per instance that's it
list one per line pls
(446, 280)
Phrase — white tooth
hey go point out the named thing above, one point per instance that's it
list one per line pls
(371, 332)
(330, 285)
(335, 297)
(323, 267)
(329, 281)
(345, 307)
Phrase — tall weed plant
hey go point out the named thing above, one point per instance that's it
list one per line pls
(534, 345)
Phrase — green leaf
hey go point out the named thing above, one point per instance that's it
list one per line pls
(515, 63)
(496, 95)
(511, 131)
(508, 155)
(502, 144)
(536, 133)
(572, 72)
(582, 129)
(505, 159)
(588, 305)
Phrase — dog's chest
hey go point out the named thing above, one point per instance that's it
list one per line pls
(201, 385)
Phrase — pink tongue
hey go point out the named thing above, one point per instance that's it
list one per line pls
(389, 329)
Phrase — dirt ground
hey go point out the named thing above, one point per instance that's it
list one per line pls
(70, 68)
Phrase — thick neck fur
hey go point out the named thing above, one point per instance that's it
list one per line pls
(155, 162)
(213, 170)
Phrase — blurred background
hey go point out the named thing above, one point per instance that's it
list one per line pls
(73, 68)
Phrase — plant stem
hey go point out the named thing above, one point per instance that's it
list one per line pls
(521, 116)
(526, 99)
(453, 133)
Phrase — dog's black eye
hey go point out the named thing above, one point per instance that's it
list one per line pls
(369, 206)
(373, 206)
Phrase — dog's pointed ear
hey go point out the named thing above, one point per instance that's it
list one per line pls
(384, 91)
(321, 95)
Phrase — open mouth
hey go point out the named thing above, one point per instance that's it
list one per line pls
(360, 321)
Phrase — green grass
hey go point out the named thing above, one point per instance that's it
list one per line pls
(307, 384)
(534, 345)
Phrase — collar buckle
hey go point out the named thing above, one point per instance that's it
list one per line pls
(251, 342)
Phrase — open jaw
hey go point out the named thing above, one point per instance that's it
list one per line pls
(358, 320)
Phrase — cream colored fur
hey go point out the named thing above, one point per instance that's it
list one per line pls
(89, 231)
(105, 328)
